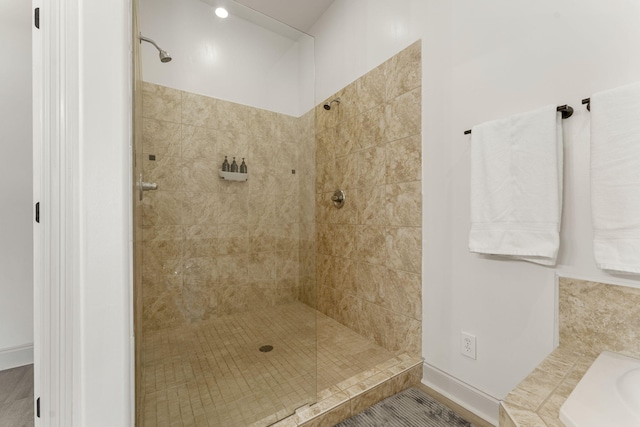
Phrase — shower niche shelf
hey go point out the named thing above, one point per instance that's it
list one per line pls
(233, 176)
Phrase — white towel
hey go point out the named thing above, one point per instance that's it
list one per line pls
(615, 178)
(516, 186)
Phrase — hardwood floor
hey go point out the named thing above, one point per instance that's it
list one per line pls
(16, 397)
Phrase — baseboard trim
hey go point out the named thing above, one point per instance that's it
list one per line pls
(12, 357)
(470, 398)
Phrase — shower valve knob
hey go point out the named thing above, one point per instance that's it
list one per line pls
(338, 198)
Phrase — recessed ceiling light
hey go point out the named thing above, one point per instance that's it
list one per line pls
(221, 12)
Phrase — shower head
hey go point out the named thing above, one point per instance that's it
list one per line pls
(164, 56)
(327, 106)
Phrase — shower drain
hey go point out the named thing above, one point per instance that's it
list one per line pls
(266, 348)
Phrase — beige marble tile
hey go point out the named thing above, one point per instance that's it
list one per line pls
(402, 293)
(162, 232)
(345, 138)
(402, 116)
(343, 240)
(233, 117)
(159, 250)
(262, 208)
(287, 422)
(346, 172)
(266, 124)
(261, 266)
(166, 171)
(370, 88)
(341, 274)
(234, 239)
(201, 143)
(287, 264)
(371, 167)
(404, 160)
(232, 209)
(406, 379)
(550, 409)
(161, 103)
(201, 208)
(595, 317)
(198, 110)
(371, 281)
(327, 177)
(504, 418)
(372, 245)
(287, 212)
(368, 129)
(200, 241)
(369, 398)
(326, 140)
(160, 138)
(331, 417)
(404, 71)
(400, 332)
(372, 206)
(201, 269)
(404, 245)
(163, 208)
(200, 175)
(322, 407)
(404, 204)
(160, 312)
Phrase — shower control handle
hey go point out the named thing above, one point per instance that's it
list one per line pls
(338, 198)
(145, 186)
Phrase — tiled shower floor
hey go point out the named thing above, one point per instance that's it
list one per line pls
(213, 374)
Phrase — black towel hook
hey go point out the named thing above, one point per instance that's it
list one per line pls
(588, 102)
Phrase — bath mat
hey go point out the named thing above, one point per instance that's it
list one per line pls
(410, 408)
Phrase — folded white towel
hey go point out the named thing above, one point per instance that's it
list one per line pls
(516, 186)
(615, 178)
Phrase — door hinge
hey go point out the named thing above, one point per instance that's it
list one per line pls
(36, 17)
(38, 212)
(38, 407)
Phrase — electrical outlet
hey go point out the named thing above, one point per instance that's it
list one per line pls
(468, 345)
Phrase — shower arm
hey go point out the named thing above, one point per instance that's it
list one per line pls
(147, 39)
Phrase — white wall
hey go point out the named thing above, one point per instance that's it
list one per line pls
(16, 211)
(481, 61)
(232, 59)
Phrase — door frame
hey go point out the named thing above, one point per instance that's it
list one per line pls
(83, 328)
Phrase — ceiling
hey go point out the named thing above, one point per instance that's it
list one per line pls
(300, 14)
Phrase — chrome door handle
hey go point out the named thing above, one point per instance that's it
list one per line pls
(145, 186)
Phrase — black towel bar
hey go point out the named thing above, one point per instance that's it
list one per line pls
(566, 110)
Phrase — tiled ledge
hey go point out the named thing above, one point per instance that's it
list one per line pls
(357, 393)
(536, 401)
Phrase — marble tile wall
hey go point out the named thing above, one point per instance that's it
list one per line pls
(593, 317)
(211, 246)
(369, 251)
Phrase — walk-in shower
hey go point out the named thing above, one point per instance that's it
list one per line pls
(250, 307)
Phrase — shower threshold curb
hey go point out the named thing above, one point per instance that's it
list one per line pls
(355, 394)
